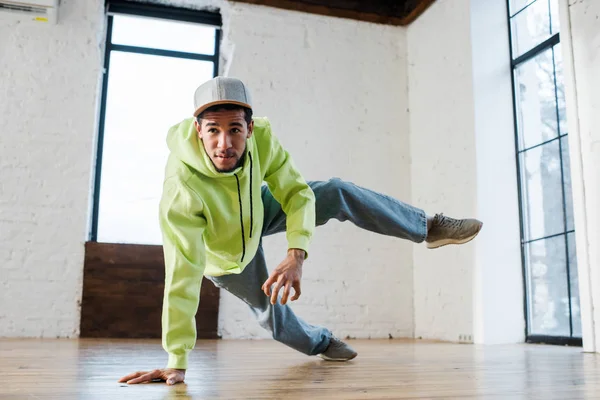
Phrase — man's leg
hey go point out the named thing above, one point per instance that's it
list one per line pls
(278, 319)
(375, 212)
(365, 208)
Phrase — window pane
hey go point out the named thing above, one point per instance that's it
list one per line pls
(574, 280)
(547, 281)
(530, 27)
(536, 100)
(163, 34)
(146, 96)
(542, 191)
(517, 5)
(554, 16)
(566, 161)
(560, 90)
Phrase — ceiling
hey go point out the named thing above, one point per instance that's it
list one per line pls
(390, 12)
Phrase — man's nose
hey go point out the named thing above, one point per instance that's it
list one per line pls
(224, 142)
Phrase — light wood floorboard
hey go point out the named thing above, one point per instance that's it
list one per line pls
(264, 369)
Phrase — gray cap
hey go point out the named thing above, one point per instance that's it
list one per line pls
(221, 90)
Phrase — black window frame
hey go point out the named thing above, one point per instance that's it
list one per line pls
(123, 7)
(545, 45)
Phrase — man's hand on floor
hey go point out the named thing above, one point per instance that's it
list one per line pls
(287, 275)
(171, 376)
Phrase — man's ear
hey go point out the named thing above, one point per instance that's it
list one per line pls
(250, 129)
(198, 128)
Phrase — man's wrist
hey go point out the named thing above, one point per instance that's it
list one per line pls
(298, 254)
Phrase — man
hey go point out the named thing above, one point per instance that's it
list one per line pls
(214, 212)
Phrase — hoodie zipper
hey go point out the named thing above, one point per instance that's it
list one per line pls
(237, 179)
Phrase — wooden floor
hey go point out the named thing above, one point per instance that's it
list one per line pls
(384, 369)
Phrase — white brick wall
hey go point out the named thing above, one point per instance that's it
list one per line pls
(48, 86)
(336, 93)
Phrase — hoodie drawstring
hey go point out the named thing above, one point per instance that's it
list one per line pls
(251, 208)
(241, 217)
(241, 209)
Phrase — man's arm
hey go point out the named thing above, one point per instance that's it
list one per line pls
(184, 254)
(293, 193)
(182, 227)
(298, 203)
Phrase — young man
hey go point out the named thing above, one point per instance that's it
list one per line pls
(214, 212)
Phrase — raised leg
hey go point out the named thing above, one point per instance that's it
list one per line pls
(363, 207)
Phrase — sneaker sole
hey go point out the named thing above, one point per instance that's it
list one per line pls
(444, 242)
(337, 359)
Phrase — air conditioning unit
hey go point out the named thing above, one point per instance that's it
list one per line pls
(45, 11)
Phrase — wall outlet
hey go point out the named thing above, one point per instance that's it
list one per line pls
(465, 338)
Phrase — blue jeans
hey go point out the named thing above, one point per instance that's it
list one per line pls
(337, 199)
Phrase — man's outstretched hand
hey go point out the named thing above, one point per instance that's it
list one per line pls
(287, 275)
(171, 376)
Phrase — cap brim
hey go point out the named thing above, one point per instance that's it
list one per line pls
(215, 103)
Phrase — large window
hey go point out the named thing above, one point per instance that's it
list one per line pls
(542, 147)
(155, 58)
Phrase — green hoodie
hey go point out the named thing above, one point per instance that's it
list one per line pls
(212, 222)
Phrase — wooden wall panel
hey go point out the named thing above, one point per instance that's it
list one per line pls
(123, 290)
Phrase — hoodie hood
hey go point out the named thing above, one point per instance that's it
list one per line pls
(185, 145)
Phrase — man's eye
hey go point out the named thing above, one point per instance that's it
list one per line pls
(212, 130)
(235, 130)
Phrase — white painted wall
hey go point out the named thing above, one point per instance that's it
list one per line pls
(463, 164)
(580, 36)
(498, 282)
(443, 165)
(48, 94)
(336, 92)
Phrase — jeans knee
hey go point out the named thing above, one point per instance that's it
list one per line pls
(336, 187)
(331, 196)
(265, 319)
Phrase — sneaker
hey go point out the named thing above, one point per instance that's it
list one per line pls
(338, 351)
(445, 230)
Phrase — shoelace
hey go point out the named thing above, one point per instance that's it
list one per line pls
(446, 222)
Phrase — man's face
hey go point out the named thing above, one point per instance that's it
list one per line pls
(224, 134)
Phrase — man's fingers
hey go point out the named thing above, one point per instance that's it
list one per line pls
(132, 376)
(146, 377)
(297, 291)
(286, 292)
(141, 379)
(266, 287)
(171, 376)
(278, 286)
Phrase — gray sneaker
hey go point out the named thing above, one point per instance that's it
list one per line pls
(338, 351)
(445, 230)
